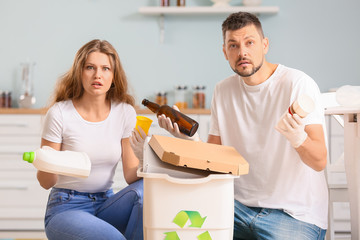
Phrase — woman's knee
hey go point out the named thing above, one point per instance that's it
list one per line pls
(138, 188)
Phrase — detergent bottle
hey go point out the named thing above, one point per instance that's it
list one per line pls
(69, 163)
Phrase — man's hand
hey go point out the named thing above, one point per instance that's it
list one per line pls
(293, 129)
(137, 143)
(173, 129)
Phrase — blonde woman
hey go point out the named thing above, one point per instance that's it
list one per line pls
(92, 112)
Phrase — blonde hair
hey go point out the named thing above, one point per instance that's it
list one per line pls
(69, 86)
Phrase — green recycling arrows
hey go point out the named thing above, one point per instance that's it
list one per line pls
(195, 218)
(204, 236)
(196, 221)
(171, 236)
(174, 236)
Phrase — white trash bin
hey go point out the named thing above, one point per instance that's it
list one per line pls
(185, 204)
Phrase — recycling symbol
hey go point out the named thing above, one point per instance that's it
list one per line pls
(196, 222)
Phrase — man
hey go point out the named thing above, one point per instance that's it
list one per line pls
(284, 196)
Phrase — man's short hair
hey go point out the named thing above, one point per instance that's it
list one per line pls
(239, 20)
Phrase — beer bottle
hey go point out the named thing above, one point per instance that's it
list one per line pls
(186, 125)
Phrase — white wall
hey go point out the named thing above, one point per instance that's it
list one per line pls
(319, 37)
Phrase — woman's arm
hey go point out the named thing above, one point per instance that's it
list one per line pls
(130, 161)
(48, 180)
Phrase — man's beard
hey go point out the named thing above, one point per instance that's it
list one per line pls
(254, 70)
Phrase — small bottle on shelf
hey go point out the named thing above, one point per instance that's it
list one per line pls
(161, 98)
(6, 99)
(164, 3)
(180, 3)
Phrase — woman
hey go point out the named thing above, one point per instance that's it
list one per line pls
(93, 113)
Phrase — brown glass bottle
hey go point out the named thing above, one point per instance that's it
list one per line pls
(186, 125)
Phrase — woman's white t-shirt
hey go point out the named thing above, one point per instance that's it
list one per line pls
(100, 140)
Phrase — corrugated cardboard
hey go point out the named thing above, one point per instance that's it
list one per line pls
(199, 155)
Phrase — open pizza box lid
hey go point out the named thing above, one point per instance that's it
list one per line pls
(199, 155)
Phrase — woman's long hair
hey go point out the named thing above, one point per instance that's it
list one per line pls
(69, 86)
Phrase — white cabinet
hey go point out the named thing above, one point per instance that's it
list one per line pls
(22, 201)
(335, 149)
(204, 126)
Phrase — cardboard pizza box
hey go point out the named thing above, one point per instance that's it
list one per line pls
(199, 155)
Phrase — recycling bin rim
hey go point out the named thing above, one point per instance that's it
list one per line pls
(199, 180)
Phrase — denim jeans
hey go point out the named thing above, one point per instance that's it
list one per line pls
(274, 224)
(74, 215)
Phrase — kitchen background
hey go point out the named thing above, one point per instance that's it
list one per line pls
(318, 37)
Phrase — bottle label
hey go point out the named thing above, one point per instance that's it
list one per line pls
(291, 112)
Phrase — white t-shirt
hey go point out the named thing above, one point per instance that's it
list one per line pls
(244, 117)
(100, 140)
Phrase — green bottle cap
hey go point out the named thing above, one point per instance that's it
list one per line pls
(28, 156)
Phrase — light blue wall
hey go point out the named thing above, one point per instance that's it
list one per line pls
(319, 37)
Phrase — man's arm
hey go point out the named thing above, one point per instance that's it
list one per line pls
(214, 139)
(308, 141)
(313, 151)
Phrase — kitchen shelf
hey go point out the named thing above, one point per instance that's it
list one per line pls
(158, 11)
(186, 11)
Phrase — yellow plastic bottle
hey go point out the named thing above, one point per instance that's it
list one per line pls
(69, 163)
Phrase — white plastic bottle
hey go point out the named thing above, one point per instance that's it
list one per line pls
(301, 106)
(69, 163)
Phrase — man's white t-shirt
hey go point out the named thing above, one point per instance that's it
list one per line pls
(100, 140)
(245, 117)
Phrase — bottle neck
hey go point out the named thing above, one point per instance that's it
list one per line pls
(154, 107)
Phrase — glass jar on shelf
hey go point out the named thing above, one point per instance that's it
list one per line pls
(180, 96)
(199, 96)
(27, 99)
(161, 98)
(180, 3)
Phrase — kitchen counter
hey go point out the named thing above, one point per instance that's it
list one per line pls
(138, 111)
(22, 111)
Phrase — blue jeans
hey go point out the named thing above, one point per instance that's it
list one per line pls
(274, 224)
(74, 215)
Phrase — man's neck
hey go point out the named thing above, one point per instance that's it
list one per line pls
(262, 75)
